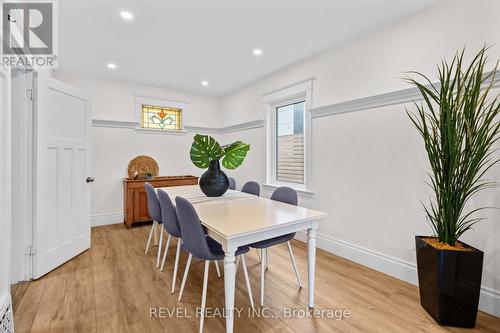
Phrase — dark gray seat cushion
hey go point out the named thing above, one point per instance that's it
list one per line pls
(273, 241)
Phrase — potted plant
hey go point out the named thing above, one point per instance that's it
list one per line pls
(206, 153)
(458, 120)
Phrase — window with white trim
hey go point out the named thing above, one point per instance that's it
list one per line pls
(289, 142)
(288, 136)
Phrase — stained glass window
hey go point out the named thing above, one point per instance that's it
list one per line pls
(163, 118)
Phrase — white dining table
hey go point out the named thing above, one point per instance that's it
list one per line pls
(236, 219)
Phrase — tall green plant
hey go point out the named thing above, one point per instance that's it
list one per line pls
(458, 120)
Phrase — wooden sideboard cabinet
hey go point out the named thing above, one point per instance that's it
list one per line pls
(135, 200)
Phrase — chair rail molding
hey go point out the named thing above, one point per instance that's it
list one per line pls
(114, 123)
(108, 123)
(243, 126)
(402, 96)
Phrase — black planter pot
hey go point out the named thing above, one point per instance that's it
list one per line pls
(214, 181)
(450, 283)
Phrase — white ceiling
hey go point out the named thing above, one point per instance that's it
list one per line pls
(179, 43)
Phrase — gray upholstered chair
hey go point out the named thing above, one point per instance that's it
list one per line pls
(154, 211)
(197, 244)
(287, 195)
(232, 183)
(171, 225)
(251, 188)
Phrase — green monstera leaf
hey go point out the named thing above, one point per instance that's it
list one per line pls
(234, 154)
(203, 150)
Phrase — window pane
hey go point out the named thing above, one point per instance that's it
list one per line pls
(157, 117)
(290, 143)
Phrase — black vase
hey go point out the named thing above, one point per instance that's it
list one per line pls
(214, 181)
(450, 283)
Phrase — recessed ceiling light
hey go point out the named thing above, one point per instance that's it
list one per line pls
(111, 66)
(126, 15)
(204, 83)
(257, 52)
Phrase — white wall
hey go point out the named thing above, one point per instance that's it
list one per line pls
(113, 148)
(368, 166)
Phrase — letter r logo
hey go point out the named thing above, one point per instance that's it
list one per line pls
(28, 28)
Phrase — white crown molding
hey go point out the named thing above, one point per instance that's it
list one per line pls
(489, 300)
(403, 96)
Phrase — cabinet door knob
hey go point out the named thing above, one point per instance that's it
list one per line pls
(90, 179)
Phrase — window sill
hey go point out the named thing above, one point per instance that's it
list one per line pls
(161, 132)
(300, 191)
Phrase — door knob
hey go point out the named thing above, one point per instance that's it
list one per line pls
(90, 179)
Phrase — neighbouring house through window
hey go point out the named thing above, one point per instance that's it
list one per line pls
(290, 143)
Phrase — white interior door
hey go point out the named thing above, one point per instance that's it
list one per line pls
(62, 164)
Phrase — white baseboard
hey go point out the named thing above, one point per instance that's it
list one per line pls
(489, 301)
(107, 218)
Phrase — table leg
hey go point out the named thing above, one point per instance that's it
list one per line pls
(229, 286)
(311, 263)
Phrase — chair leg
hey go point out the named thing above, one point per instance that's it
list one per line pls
(262, 271)
(267, 259)
(159, 247)
(258, 254)
(204, 294)
(176, 265)
(150, 236)
(237, 263)
(247, 280)
(184, 278)
(165, 253)
(217, 267)
(294, 264)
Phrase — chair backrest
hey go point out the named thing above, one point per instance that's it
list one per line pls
(153, 203)
(251, 188)
(168, 214)
(285, 194)
(192, 233)
(232, 183)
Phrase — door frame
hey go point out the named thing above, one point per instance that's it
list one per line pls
(5, 189)
(23, 184)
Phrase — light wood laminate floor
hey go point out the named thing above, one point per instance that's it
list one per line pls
(112, 287)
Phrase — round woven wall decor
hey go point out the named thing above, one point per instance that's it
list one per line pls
(143, 164)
